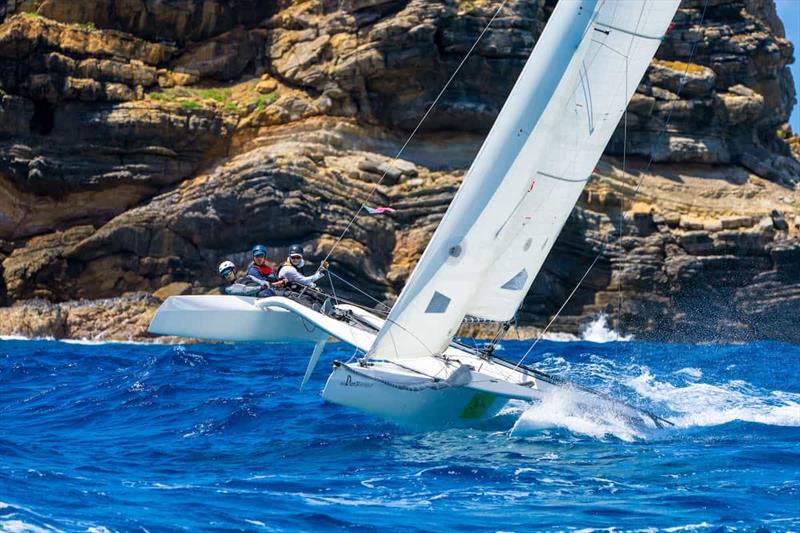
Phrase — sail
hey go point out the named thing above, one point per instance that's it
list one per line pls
(529, 173)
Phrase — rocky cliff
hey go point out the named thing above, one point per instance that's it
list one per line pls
(142, 141)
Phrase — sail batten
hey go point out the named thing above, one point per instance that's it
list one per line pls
(530, 171)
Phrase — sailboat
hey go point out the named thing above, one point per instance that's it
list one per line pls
(497, 232)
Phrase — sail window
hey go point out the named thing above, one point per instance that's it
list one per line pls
(438, 303)
(517, 283)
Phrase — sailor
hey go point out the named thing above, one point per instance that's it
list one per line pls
(293, 270)
(244, 286)
(259, 269)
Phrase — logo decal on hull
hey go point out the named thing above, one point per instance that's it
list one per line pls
(350, 382)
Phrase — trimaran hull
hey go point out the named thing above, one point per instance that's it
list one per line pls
(231, 318)
(390, 398)
(462, 387)
(431, 397)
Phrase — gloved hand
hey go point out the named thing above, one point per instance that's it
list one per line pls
(323, 266)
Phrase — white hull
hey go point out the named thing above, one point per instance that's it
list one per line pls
(232, 318)
(460, 390)
(389, 396)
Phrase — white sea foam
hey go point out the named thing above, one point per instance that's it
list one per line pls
(694, 373)
(397, 503)
(703, 404)
(560, 337)
(83, 341)
(23, 338)
(562, 409)
(94, 342)
(689, 402)
(598, 331)
(19, 526)
(688, 527)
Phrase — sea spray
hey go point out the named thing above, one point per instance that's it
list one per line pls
(599, 331)
(707, 404)
(565, 409)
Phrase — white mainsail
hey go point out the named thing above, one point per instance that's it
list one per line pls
(529, 173)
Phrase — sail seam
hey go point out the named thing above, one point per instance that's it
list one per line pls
(560, 178)
(632, 33)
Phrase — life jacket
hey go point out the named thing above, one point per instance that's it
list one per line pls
(265, 269)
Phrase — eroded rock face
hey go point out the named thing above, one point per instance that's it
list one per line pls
(141, 142)
(120, 319)
(155, 20)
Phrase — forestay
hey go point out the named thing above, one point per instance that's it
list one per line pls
(529, 172)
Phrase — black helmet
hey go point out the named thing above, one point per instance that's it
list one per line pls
(295, 249)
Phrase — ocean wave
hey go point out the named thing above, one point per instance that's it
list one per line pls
(82, 341)
(564, 409)
(598, 331)
(705, 404)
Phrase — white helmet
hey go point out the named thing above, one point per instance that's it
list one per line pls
(225, 267)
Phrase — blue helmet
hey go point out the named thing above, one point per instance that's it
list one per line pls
(259, 249)
(295, 249)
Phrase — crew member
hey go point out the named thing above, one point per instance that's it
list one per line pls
(259, 269)
(293, 271)
(244, 286)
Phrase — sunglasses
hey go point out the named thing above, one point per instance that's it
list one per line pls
(262, 256)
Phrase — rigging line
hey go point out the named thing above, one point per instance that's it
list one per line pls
(620, 231)
(577, 286)
(416, 129)
(633, 195)
(333, 289)
(330, 273)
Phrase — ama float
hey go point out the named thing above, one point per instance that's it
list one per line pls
(488, 248)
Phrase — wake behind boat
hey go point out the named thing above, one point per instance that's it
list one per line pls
(490, 245)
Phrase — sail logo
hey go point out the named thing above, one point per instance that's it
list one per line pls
(350, 382)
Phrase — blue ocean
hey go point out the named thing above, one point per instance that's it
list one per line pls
(136, 437)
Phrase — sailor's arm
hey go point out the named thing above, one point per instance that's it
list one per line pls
(293, 276)
(254, 280)
(239, 289)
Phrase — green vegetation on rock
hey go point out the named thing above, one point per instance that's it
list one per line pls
(239, 99)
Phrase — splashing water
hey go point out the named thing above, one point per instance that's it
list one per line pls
(704, 404)
(598, 331)
(566, 411)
